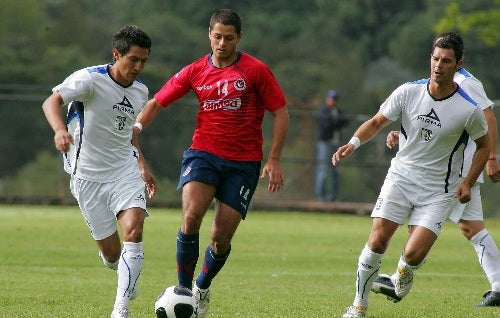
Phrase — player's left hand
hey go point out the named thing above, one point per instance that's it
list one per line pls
(272, 168)
(493, 170)
(341, 153)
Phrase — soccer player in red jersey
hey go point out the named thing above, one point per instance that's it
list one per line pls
(234, 91)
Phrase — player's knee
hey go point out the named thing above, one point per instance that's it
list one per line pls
(133, 235)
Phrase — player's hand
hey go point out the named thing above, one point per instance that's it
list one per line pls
(493, 170)
(150, 181)
(463, 193)
(392, 139)
(341, 153)
(63, 140)
(272, 168)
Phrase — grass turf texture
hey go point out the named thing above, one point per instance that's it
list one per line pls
(283, 264)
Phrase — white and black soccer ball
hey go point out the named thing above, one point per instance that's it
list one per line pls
(175, 302)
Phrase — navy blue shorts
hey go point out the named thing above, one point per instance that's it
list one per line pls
(235, 181)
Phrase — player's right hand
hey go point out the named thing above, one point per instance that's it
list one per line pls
(392, 139)
(63, 140)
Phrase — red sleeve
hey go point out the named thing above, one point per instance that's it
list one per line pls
(175, 88)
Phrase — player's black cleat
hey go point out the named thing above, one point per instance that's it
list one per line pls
(490, 299)
(383, 285)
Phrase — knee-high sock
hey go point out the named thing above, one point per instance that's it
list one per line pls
(129, 270)
(188, 251)
(487, 253)
(212, 264)
(368, 267)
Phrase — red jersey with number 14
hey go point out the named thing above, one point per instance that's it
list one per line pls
(232, 102)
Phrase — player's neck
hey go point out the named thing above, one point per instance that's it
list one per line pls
(442, 90)
(223, 62)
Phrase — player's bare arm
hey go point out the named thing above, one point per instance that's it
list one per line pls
(149, 112)
(272, 166)
(364, 133)
(478, 163)
(146, 174)
(52, 110)
(492, 166)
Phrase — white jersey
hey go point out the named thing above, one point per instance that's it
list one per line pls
(475, 89)
(101, 115)
(433, 134)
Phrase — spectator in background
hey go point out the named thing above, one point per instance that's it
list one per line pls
(331, 121)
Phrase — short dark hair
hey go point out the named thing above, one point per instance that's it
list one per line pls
(226, 17)
(130, 35)
(450, 40)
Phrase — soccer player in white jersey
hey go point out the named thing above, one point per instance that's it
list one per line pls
(469, 215)
(109, 175)
(437, 117)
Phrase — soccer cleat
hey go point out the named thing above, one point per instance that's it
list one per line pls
(120, 313)
(202, 300)
(383, 285)
(490, 299)
(355, 312)
(403, 280)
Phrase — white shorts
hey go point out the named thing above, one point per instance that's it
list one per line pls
(100, 203)
(470, 211)
(400, 200)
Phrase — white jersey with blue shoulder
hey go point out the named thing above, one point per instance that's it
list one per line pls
(434, 134)
(101, 115)
(475, 89)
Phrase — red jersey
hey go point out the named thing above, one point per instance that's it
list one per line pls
(232, 100)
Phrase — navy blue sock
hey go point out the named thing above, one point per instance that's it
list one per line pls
(188, 251)
(212, 264)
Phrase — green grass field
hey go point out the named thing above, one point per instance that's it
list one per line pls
(283, 264)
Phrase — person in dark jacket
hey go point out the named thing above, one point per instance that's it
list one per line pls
(331, 121)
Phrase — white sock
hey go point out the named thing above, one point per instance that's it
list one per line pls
(487, 253)
(368, 267)
(129, 269)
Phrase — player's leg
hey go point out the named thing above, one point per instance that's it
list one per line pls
(128, 202)
(472, 226)
(196, 199)
(224, 226)
(425, 225)
(233, 196)
(391, 210)
(92, 199)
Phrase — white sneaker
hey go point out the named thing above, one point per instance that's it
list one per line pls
(403, 281)
(120, 313)
(355, 312)
(202, 299)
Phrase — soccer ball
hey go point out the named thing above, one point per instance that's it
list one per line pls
(175, 302)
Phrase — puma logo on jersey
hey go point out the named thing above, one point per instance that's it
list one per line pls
(431, 118)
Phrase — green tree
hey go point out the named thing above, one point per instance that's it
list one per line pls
(482, 22)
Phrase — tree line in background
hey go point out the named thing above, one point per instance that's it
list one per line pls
(361, 48)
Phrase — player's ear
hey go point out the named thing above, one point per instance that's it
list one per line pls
(116, 54)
